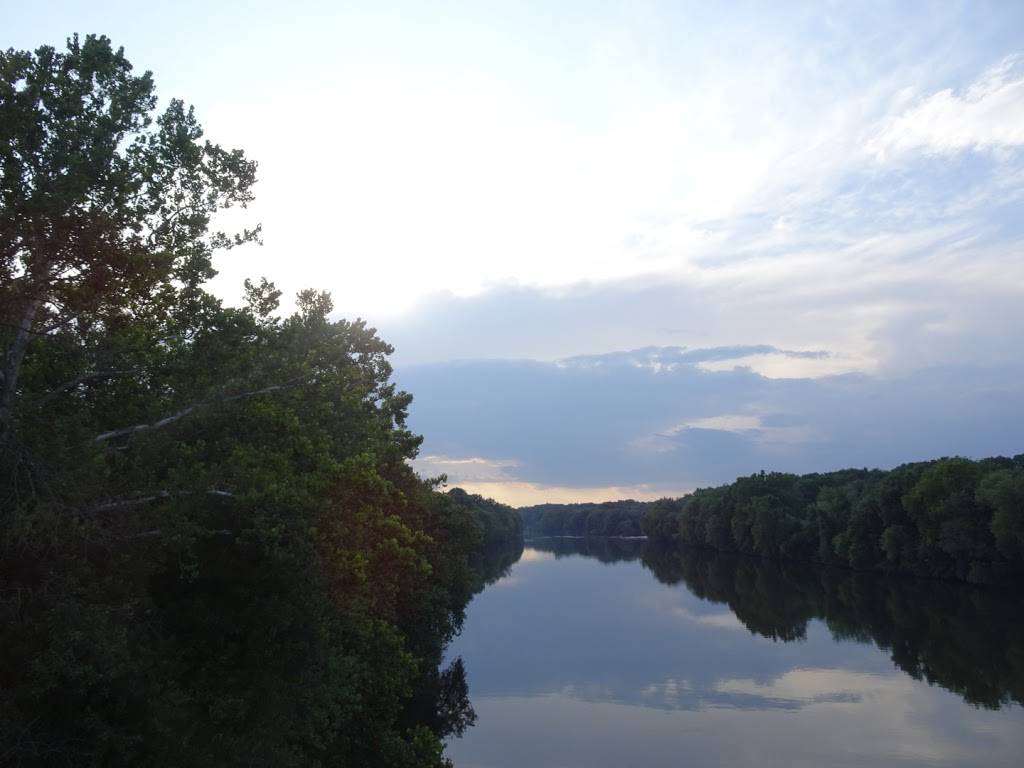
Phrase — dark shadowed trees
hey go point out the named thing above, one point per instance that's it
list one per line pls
(213, 550)
(952, 519)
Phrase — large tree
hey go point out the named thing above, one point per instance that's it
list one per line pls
(213, 550)
(105, 206)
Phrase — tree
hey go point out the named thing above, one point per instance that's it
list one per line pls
(1003, 491)
(951, 518)
(104, 210)
(213, 550)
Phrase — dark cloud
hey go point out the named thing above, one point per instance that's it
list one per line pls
(948, 307)
(512, 321)
(612, 421)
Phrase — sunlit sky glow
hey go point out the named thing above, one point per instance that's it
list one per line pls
(540, 181)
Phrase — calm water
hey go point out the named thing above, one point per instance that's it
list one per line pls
(602, 654)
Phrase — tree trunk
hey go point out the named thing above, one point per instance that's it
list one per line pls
(12, 364)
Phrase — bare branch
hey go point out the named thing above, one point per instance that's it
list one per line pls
(158, 532)
(133, 430)
(136, 501)
(123, 431)
(147, 498)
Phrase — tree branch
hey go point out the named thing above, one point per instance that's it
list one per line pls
(81, 380)
(10, 366)
(143, 499)
(133, 430)
(157, 532)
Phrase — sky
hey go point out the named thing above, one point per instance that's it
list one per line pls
(628, 249)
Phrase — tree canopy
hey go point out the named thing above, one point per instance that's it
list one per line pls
(104, 207)
(610, 518)
(951, 518)
(213, 549)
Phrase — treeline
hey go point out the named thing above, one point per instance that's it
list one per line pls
(951, 518)
(501, 527)
(213, 550)
(611, 518)
(965, 640)
(440, 699)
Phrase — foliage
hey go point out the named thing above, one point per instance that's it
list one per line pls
(951, 519)
(499, 524)
(611, 518)
(104, 210)
(213, 550)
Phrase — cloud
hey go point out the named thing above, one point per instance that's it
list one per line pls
(668, 603)
(553, 147)
(538, 430)
(737, 422)
(461, 471)
(613, 148)
(497, 479)
(881, 300)
(666, 358)
(987, 115)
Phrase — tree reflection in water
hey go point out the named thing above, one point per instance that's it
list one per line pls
(967, 640)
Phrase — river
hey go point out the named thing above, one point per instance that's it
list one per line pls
(597, 653)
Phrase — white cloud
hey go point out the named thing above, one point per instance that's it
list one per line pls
(667, 603)
(989, 114)
(460, 471)
(736, 422)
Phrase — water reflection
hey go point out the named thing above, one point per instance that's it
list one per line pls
(579, 657)
(606, 549)
(967, 640)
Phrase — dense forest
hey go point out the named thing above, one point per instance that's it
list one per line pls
(501, 524)
(610, 518)
(213, 550)
(953, 519)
